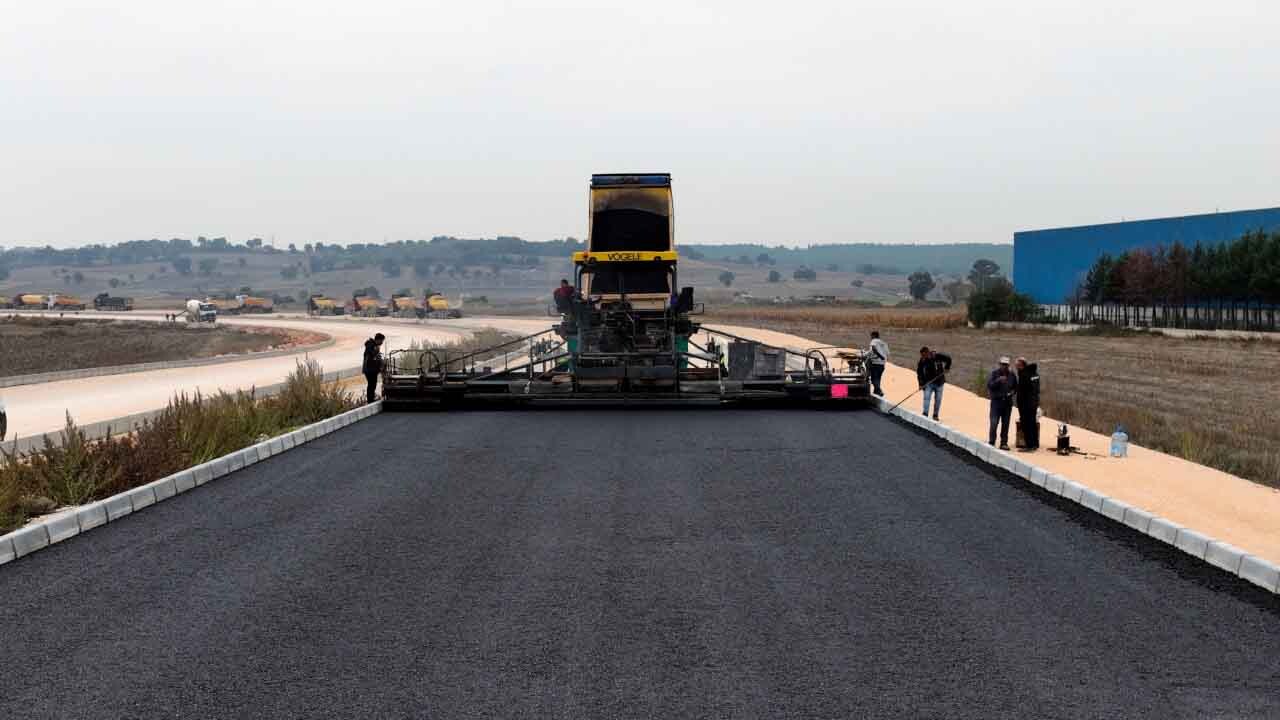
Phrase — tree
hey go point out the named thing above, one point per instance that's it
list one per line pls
(957, 291)
(1000, 302)
(726, 278)
(289, 272)
(855, 283)
(293, 249)
(370, 291)
(241, 262)
(390, 268)
(114, 283)
(78, 278)
(246, 290)
(982, 272)
(182, 265)
(805, 274)
(253, 243)
(775, 276)
(207, 266)
(921, 284)
(765, 259)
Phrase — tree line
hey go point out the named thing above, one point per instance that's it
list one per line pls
(1245, 269)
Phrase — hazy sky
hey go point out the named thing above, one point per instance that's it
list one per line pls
(782, 122)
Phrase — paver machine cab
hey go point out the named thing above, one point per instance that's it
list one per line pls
(628, 333)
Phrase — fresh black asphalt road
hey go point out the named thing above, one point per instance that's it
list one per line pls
(627, 564)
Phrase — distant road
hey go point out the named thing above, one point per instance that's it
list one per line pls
(628, 564)
(36, 409)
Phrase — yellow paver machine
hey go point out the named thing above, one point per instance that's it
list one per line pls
(626, 333)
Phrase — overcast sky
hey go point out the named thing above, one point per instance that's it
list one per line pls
(782, 122)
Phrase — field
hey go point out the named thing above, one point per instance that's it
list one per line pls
(1210, 401)
(47, 344)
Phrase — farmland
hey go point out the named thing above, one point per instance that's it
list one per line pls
(47, 344)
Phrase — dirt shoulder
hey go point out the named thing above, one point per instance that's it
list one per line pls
(45, 344)
(1209, 401)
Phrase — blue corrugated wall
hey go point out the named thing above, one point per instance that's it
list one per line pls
(1048, 264)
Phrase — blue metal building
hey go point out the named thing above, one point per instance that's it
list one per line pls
(1049, 264)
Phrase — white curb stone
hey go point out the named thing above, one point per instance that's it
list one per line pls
(184, 481)
(1192, 542)
(1053, 483)
(141, 497)
(1089, 498)
(91, 516)
(277, 446)
(118, 506)
(7, 553)
(62, 527)
(29, 539)
(163, 489)
(1073, 491)
(1254, 569)
(1038, 476)
(1163, 530)
(1137, 519)
(1224, 555)
(235, 461)
(1113, 509)
(203, 473)
(286, 441)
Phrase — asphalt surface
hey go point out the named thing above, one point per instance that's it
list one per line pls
(609, 564)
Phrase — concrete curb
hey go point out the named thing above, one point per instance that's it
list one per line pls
(37, 378)
(1222, 555)
(129, 423)
(66, 525)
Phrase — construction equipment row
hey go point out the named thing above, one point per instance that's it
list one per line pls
(431, 305)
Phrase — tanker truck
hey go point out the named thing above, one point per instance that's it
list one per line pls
(199, 312)
(30, 301)
(66, 303)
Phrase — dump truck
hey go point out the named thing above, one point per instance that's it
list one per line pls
(366, 306)
(405, 306)
(438, 307)
(104, 301)
(321, 305)
(200, 311)
(66, 303)
(30, 301)
(629, 334)
(251, 304)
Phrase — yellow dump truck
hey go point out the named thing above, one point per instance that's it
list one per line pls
(367, 306)
(405, 306)
(321, 305)
(251, 304)
(438, 307)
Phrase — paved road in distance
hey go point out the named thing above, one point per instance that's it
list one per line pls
(618, 564)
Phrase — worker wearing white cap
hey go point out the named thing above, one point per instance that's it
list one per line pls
(1001, 386)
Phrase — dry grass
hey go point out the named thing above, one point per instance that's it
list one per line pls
(835, 316)
(49, 344)
(1213, 402)
(190, 431)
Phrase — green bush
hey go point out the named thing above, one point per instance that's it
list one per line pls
(999, 302)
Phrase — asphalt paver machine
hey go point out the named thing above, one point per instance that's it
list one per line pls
(628, 333)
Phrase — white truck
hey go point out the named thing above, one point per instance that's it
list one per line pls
(199, 311)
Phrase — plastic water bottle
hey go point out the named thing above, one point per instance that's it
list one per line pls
(1119, 443)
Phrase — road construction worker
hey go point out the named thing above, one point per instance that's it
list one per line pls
(879, 352)
(563, 297)
(1002, 386)
(372, 366)
(931, 373)
(1028, 401)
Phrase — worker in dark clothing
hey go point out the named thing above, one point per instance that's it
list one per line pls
(1002, 386)
(931, 373)
(1028, 401)
(372, 366)
(563, 297)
